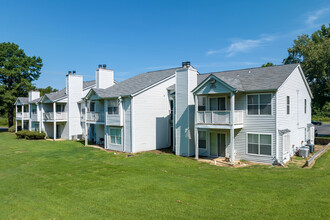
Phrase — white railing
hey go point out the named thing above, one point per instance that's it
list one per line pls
(219, 117)
(82, 117)
(34, 116)
(22, 115)
(95, 116)
(59, 116)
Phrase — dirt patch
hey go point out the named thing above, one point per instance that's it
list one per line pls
(20, 152)
(222, 162)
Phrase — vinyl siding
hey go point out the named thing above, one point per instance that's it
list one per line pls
(297, 120)
(127, 110)
(151, 115)
(254, 124)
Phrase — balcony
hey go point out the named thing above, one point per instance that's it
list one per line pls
(114, 119)
(219, 117)
(95, 116)
(34, 116)
(59, 116)
(24, 115)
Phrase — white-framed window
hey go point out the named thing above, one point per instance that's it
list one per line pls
(201, 103)
(259, 104)
(115, 135)
(113, 107)
(259, 144)
(202, 139)
(288, 105)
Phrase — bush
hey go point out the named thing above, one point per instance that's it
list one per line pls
(30, 135)
(12, 129)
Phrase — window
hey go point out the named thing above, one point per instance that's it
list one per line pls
(259, 104)
(201, 103)
(60, 108)
(288, 105)
(202, 139)
(113, 107)
(91, 106)
(260, 144)
(115, 136)
(305, 105)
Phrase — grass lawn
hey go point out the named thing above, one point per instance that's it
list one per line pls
(65, 180)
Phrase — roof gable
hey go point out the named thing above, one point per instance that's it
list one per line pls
(212, 85)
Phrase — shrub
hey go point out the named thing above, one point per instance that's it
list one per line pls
(30, 135)
(12, 129)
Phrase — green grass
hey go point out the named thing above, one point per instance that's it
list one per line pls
(65, 180)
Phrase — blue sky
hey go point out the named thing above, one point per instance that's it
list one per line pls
(132, 37)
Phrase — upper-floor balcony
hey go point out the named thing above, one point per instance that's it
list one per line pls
(34, 116)
(219, 117)
(94, 117)
(59, 116)
(22, 115)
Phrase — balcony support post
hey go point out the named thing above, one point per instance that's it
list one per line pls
(30, 121)
(195, 129)
(16, 118)
(86, 128)
(105, 124)
(54, 119)
(22, 126)
(232, 133)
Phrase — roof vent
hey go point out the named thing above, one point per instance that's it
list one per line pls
(100, 66)
(104, 66)
(69, 72)
(73, 72)
(186, 64)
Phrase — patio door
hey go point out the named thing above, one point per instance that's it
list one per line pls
(218, 104)
(217, 144)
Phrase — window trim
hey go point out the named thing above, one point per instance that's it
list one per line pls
(121, 136)
(260, 155)
(259, 115)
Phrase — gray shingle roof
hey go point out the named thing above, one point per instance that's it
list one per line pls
(62, 93)
(23, 100)
(254, 79)
(135, 84)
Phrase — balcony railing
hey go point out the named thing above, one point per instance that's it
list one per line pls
(59, 116)
(22, 115)
(95, 116)
(219, 117)
(34, 116)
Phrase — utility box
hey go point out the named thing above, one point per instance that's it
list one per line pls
(304, 151)
(311, 147)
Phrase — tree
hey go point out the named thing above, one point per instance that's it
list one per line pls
(314, 55)
(46, 90)
(267, 64)
(17, 72)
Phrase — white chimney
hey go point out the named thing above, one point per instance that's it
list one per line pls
(33, 95)
(74, 91)
(104, 77)
(186, 81)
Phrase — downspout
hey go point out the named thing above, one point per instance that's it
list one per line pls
(276, 132)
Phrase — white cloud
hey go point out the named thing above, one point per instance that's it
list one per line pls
(312, 17)
(242, 46)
